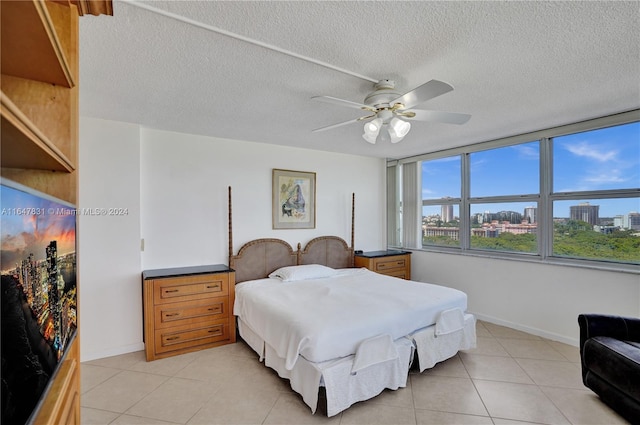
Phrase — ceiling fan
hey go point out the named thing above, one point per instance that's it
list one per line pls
(390, 111)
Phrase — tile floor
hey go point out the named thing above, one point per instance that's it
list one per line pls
(510, 378)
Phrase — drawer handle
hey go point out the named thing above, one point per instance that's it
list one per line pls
(214, 309)
(172, 314)
(217, 285)
(170, 290)
(173, 338)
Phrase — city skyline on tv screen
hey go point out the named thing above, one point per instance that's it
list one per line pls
(39, 293)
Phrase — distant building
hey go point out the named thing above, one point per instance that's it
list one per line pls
(585, 212)
(446, 213)
(530, 214)
(633, 220)
(449, 232)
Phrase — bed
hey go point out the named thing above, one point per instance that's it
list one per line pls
(341, 334)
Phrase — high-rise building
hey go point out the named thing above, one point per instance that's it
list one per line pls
(585, 212)
(634, 220)
(530, 214)
(446, 213)
(54, 294)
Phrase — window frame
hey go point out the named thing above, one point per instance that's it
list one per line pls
(545, 199)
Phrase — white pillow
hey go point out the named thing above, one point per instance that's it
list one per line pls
(307, 271)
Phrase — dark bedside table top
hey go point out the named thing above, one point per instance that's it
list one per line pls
(383, 253)
(185, 271)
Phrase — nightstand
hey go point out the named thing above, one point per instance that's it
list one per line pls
(187, 309)
(389, 262)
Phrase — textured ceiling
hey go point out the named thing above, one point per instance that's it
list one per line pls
(247, 70)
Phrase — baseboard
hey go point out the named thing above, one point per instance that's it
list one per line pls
(87, 357)
(533, 331)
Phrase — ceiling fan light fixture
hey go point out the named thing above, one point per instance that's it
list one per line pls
(399, 127)
(371, 130)
(370, 138)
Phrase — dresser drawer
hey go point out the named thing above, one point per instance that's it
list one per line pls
(385, 265)
(173, 339)
(191, 312)
(190, 288)
(402, 274)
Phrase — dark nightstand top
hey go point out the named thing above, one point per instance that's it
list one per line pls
(383, 253)
(185, 271)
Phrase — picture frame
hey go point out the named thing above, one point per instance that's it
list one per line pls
(293, 199)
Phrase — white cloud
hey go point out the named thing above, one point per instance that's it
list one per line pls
(584, 149)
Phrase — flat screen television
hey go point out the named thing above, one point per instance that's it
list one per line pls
(39, 295)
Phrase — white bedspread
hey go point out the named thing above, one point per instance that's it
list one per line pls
(324, 319)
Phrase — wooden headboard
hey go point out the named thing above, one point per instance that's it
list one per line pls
(330, 251)
(259, 257)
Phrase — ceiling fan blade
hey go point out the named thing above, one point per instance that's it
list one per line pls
(329, 127)
(342, 102)
(436, 116)
(428, 90)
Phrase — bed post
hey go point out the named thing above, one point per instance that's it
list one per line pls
(230, 230)
(353, 212)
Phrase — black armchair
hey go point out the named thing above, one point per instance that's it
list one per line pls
(610, 357)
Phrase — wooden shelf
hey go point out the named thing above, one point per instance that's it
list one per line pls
(34, 41)
(24, 145)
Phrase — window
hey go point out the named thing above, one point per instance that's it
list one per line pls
(508, 171)
(504, 227)
(567, 194)
(596, 213)
(441, 186)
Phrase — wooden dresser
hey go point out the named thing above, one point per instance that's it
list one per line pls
(389, 262)
(187, 309)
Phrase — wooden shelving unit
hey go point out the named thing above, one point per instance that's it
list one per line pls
(39, 132)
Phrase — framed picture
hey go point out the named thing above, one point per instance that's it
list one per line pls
(294, 199)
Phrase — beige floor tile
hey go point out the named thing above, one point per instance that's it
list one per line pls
(488, 346)
(176, 400)
(240, 348)
(169, 366)
(236, 406)
(373, 414)
(450, 367)
(530, 349)
(137, 420)
(494, 368)
(402, 397)
(553, 373)
(121, 391)
(91, 376)
(504, 332)
(228, 385)
(219, 368)
(290, 409)
(570, 352)
(90, 416)
(582, 407)
(481, 329)
(447, 394)
(519, 402)
(123, 361)
(431, 417)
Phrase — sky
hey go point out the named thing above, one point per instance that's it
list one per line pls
(28, 223)
(602, 159)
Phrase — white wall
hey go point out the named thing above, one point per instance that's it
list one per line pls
(176, 187)
(110, 297)
(541, 299)
(185, 180)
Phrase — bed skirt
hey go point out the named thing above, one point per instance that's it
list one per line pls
(343, 386)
